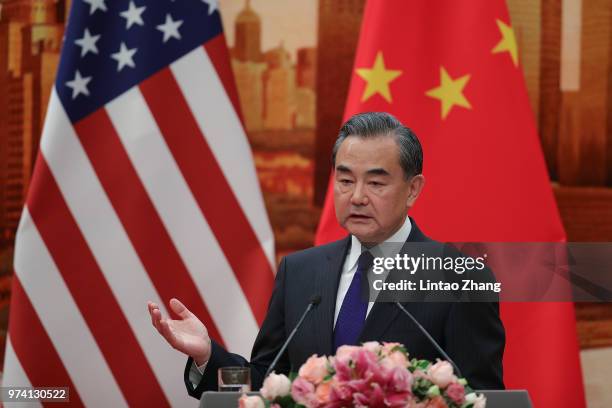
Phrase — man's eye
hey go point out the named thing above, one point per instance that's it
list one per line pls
(376, 183)
(346, 181)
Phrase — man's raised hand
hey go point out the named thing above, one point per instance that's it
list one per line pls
(187, 334)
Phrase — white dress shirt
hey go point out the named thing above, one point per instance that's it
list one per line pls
(350, 263)
(348, 271)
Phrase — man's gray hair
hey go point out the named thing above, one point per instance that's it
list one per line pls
(376, 124)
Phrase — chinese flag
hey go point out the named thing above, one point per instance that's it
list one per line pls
(450, 70)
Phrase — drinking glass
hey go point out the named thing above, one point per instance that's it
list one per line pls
(234, 379)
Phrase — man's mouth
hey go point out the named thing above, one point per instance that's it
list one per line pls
(359, 216)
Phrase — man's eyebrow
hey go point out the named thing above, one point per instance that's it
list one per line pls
(378, 172)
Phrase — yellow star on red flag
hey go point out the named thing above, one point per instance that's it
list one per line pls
(378, 79)
(450, 92)
(507, 42)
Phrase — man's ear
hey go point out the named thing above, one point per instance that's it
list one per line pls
(416, 184)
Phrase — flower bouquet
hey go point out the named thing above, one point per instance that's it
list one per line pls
(371, 375)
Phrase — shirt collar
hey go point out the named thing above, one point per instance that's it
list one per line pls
(400, 236)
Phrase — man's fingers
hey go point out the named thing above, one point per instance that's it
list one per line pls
(179, 308)
(164, 329)
(150, 306)
(163, 326)
(156, 317)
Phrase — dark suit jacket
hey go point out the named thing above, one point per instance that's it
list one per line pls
(471, 333)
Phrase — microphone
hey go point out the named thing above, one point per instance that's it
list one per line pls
(431, 339)
(314, 300)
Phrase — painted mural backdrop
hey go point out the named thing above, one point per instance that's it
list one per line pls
(292, 63)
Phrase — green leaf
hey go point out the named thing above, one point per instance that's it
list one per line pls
(285, 402)
(422, 364)
(433, 391)
(400, 348)
(420, 387)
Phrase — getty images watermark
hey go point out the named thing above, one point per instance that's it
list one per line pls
(489, 272)
(413, 264)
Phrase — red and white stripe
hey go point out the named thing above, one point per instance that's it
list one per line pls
(155, 196)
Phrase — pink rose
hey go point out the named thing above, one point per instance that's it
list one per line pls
(401, 380)
(373, 346)
(253, 401)
(344, 353)
(303, 392)
(479, 400)
(395, 359)
(314, 369)
(441, 373)
(388, 347)
(456, 392)
(275, 385)
(323, 392)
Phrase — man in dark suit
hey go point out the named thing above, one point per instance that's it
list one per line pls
(377, 173)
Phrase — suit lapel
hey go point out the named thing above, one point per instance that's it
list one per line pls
(379, 319)
(327, 280)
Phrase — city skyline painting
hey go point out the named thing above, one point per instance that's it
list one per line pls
(292, 65)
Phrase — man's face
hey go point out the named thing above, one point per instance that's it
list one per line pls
(371, 194)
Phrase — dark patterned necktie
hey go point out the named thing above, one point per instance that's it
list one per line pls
(353, 310)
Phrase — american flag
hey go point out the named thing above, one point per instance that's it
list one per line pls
(144, 189)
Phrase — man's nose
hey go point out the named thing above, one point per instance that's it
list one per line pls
(359, 196)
